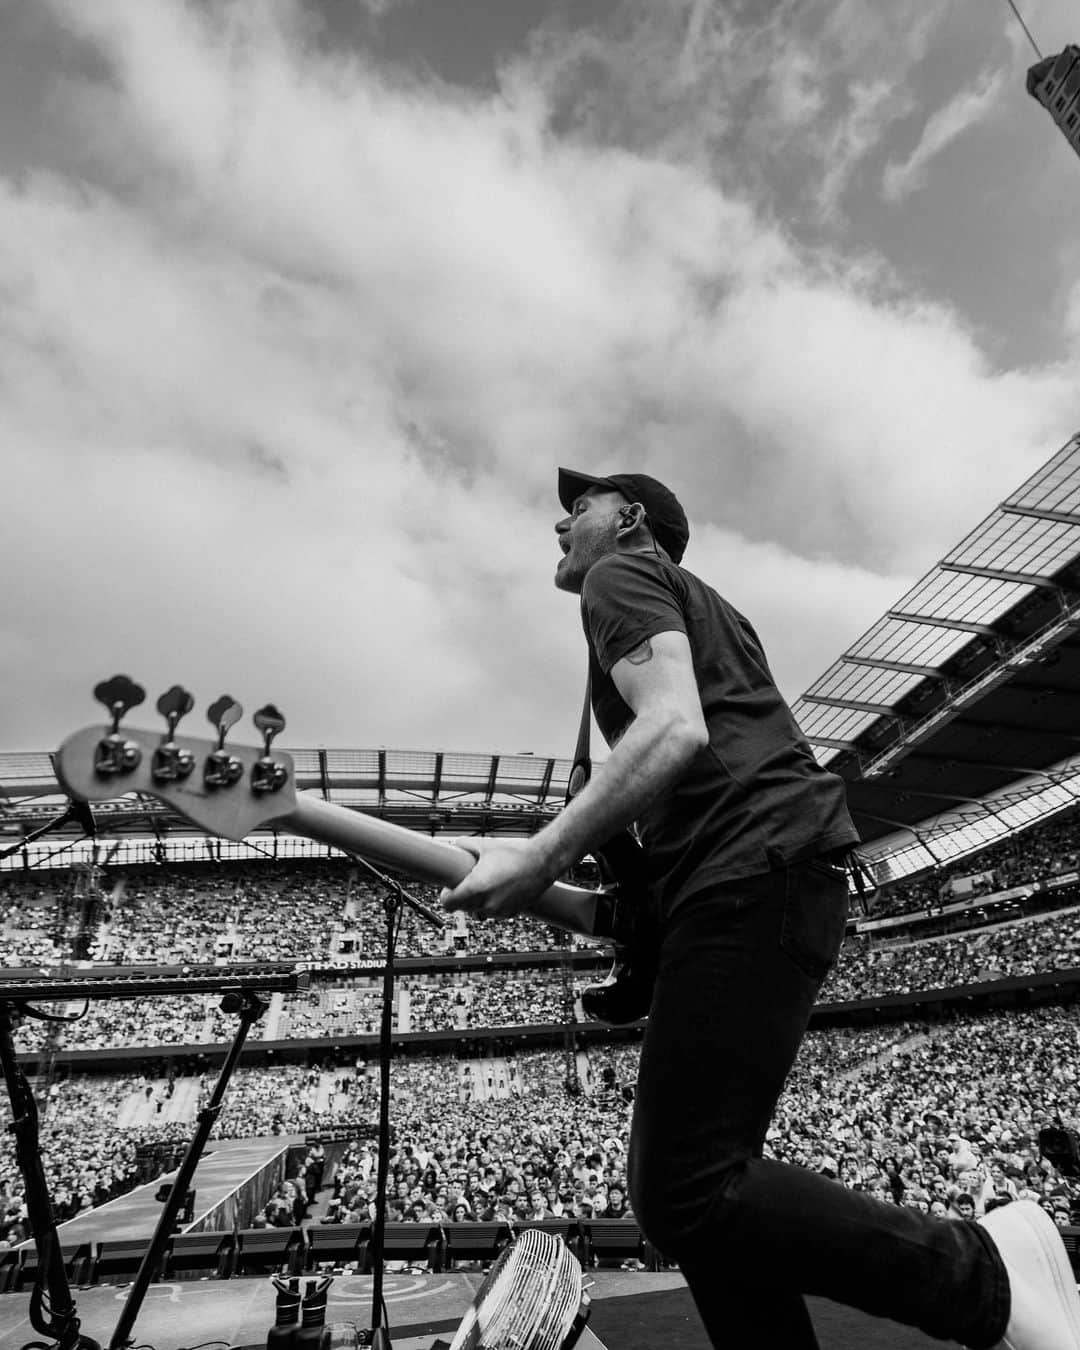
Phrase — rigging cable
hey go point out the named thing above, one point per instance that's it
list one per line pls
(1023, 25)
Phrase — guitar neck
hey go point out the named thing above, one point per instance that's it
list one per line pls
(426, 859)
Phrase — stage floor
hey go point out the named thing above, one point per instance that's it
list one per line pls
(635, 1310)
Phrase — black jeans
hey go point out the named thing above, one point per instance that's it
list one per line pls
(739, 969)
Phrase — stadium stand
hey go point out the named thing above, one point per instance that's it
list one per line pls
(895, 1112)
(890, 1109)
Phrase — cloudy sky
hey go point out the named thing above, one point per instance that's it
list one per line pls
(303, 303)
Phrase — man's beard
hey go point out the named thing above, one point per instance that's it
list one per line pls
(571, 572)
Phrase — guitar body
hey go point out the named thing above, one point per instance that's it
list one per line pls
(630, 921)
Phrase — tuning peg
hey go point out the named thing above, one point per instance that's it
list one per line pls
(224, 714)
(222, 769)
(115, 754)
(172, 762)
(269, 721)
(174, 704)
(119, 695)
(267, 775)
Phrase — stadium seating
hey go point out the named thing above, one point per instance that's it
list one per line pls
(102, 1134)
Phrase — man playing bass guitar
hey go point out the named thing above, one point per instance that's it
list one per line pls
(746, 841)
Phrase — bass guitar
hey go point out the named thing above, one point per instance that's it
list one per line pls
(231, 791)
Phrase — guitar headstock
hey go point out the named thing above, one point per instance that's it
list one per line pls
(225, 791)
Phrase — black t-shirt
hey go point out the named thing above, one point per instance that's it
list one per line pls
(754, 798)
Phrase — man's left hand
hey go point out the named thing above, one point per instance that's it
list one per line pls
(506, 879)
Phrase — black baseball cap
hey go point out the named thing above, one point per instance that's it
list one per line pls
(667, 519)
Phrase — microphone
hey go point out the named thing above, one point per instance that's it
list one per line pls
(79, 811)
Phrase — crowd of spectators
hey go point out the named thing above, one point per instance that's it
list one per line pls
(279, 1100)
(325, 913)
(448, 1000)
(28, 917)
(1025, 948)
(1039, 853)
(332, 1008)
(917, 1114)
(956, 1113)
(87, 1159)
(330, 912)
(118, 1022)
(943, 1117)
(198, 916)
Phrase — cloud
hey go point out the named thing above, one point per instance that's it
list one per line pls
(787, 102)
(965, 110)
(856, 133)
(291, 346)
(877, 416)
(837, 601)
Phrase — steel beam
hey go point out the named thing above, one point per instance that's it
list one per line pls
(856, 705)
(901, 667)
(960, 625)
(1038, 513)
(1001, 574)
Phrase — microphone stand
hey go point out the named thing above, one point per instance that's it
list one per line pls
(393, 899)
(251, 1007)
(52, 1306)
(77, 810)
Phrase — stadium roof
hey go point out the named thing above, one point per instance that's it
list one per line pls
(433, 790)
(955, 718)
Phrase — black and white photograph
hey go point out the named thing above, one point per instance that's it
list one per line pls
(540, 674)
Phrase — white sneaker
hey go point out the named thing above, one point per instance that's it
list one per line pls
(1045, 1312)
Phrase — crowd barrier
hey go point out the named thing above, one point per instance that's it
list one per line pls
(295, 1251)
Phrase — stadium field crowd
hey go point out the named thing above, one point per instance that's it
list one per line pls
(914, 1114)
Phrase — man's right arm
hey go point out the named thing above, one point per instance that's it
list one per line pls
(656, 681)
(668, 729)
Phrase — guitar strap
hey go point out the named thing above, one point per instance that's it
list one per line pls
(607, 922)
(581, 769)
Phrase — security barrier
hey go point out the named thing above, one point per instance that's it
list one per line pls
(294, 1251)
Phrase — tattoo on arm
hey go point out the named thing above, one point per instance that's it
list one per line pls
(640, 654)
